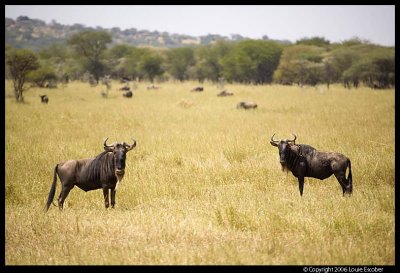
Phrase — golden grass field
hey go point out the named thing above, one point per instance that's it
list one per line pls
(203, 185)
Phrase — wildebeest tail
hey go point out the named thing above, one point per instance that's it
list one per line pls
(52, 190)
(350, 179)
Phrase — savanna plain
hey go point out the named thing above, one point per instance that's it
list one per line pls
(203, 185)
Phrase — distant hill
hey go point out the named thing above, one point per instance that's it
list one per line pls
(35, 34)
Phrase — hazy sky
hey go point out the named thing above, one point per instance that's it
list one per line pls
(291, 22)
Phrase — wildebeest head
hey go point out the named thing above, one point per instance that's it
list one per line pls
(119, 151)
(283, 147)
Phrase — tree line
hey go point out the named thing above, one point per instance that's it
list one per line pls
(310, 61)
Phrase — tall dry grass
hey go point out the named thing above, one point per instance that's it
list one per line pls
(203, 185)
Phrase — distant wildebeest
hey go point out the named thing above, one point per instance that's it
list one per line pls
(246, 105)
(224, 93)
(125, 88)
(44, 98)
(125, 79)
(104, 171)
(305, 161)
(198, 89)
(50, 85)
(152, 87)
(104, 94)
(128, 94)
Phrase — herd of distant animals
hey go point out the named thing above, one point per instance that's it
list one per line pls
(107, 169)
(128, 94)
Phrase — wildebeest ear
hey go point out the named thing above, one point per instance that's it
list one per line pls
(273, 143)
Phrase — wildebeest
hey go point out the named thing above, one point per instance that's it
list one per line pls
(128, 94)
(125, 79)
(150, 87)
(224, 93)
(104, 171)
(246, 105)
(305, 161)
(198, 89)
(104, 94)
(44, 98)
(125, 88)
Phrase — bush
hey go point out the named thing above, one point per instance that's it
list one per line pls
(43, 77)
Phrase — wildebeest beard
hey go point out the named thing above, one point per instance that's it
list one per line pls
(119, 179)
(119, 176)
(284, 167)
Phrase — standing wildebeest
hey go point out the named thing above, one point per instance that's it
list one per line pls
(44, 98)
(103, 171)
(128, 94)
(305, 161)
(246, 105)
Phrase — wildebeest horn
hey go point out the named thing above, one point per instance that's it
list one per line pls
(293, 139)
(272, 139)
(130, 147)
(108, 147)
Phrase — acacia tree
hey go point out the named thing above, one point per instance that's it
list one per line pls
(59, 60)
(179, 61)
(374, 70)
(208, 60)
(301, 64)
(132, 64)
(91, 44)
(150, 65)
(329, 72)
(20, 62)
(42, 76)
(251, 61)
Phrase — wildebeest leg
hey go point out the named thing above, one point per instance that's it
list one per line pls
(113, 191)
(301, 185)
(341, 177)
(63, 195)
(105, 193)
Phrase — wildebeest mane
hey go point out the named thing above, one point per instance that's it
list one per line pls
(102, 168)
(296, 152)
(306, 149)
